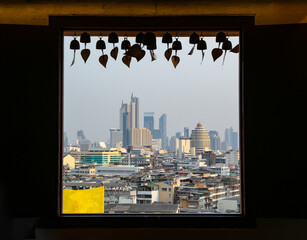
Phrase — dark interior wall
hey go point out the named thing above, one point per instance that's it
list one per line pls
(274, 122)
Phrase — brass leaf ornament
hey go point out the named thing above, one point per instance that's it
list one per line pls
(114, 53)
(236, 49)
(216, 53)
(126, 60)
(103, 59)
(85, 53)
(168, 54)
(175, 60)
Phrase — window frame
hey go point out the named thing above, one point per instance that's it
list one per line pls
(242, 24)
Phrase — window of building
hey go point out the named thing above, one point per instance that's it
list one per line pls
(136, 94)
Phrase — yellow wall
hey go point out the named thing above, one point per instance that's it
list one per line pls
(266, 12)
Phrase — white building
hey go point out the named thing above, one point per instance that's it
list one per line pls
(232, 157)
(148, 194)
(184, 147)
(116, 137)
(156, 144)
(229, 205)
(174, 144)
(119, 170)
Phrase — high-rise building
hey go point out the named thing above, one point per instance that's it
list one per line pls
(174, 144)
(134, 109)
(184, 146)
(186, 132)
(162, 128)
(231, 139)
(116, 137)
(80, 136)
(129, 118)
(141, 137)
(200, 139)
(215, 140)
(149, 121)
(179, 134)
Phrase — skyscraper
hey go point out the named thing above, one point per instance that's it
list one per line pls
(162, 128)
(129, 118)
(200, 139)
(134, 109)
(231, 139)
(149, 121)
(215, 140)
(186, 132)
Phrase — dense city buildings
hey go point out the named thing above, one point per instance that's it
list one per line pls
(143, 172)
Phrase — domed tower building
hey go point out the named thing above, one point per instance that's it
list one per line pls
(200, 139)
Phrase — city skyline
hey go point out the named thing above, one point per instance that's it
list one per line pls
(92, 94)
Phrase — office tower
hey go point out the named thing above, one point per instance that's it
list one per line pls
(80, 136)
(162, 128)
(231, 139)
(149, 121)
(134, 109)
(179, 134)
(200, 139)
(156, 134)
(184, 146)
(129, 118)
(140, 137)
(174, 144)
(116, 137)
(215, 140)
(186, 132)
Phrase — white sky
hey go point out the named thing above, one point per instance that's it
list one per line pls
(191, 93)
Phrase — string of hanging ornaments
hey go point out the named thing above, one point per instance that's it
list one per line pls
(149, 41)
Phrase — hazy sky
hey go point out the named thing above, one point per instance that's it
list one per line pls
(191, 93)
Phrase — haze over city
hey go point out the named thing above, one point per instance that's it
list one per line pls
(191, 93)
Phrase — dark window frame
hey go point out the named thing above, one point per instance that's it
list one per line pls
(243, 24)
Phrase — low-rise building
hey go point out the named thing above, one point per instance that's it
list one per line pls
(119, 170)
(167, 190)
(147, 194)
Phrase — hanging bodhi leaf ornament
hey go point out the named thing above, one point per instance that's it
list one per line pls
(74, 45)
(101, 45)
(202, 45)
(176, 46)
(85, 38)
(151, 42)
(217, 52)
(167, 38)
(126, 46)
(194, 39)
(236, 49)
(113, 38)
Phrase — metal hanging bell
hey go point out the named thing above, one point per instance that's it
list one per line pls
(167, 38)
(149, 39)
(74, 44)
(113, 38)
(220, 37)
(202, 45)
(100, 44)
(139, 37)
(125, 44)
(177, 45)
(194, 38)
(85, 38)
(227, 45)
